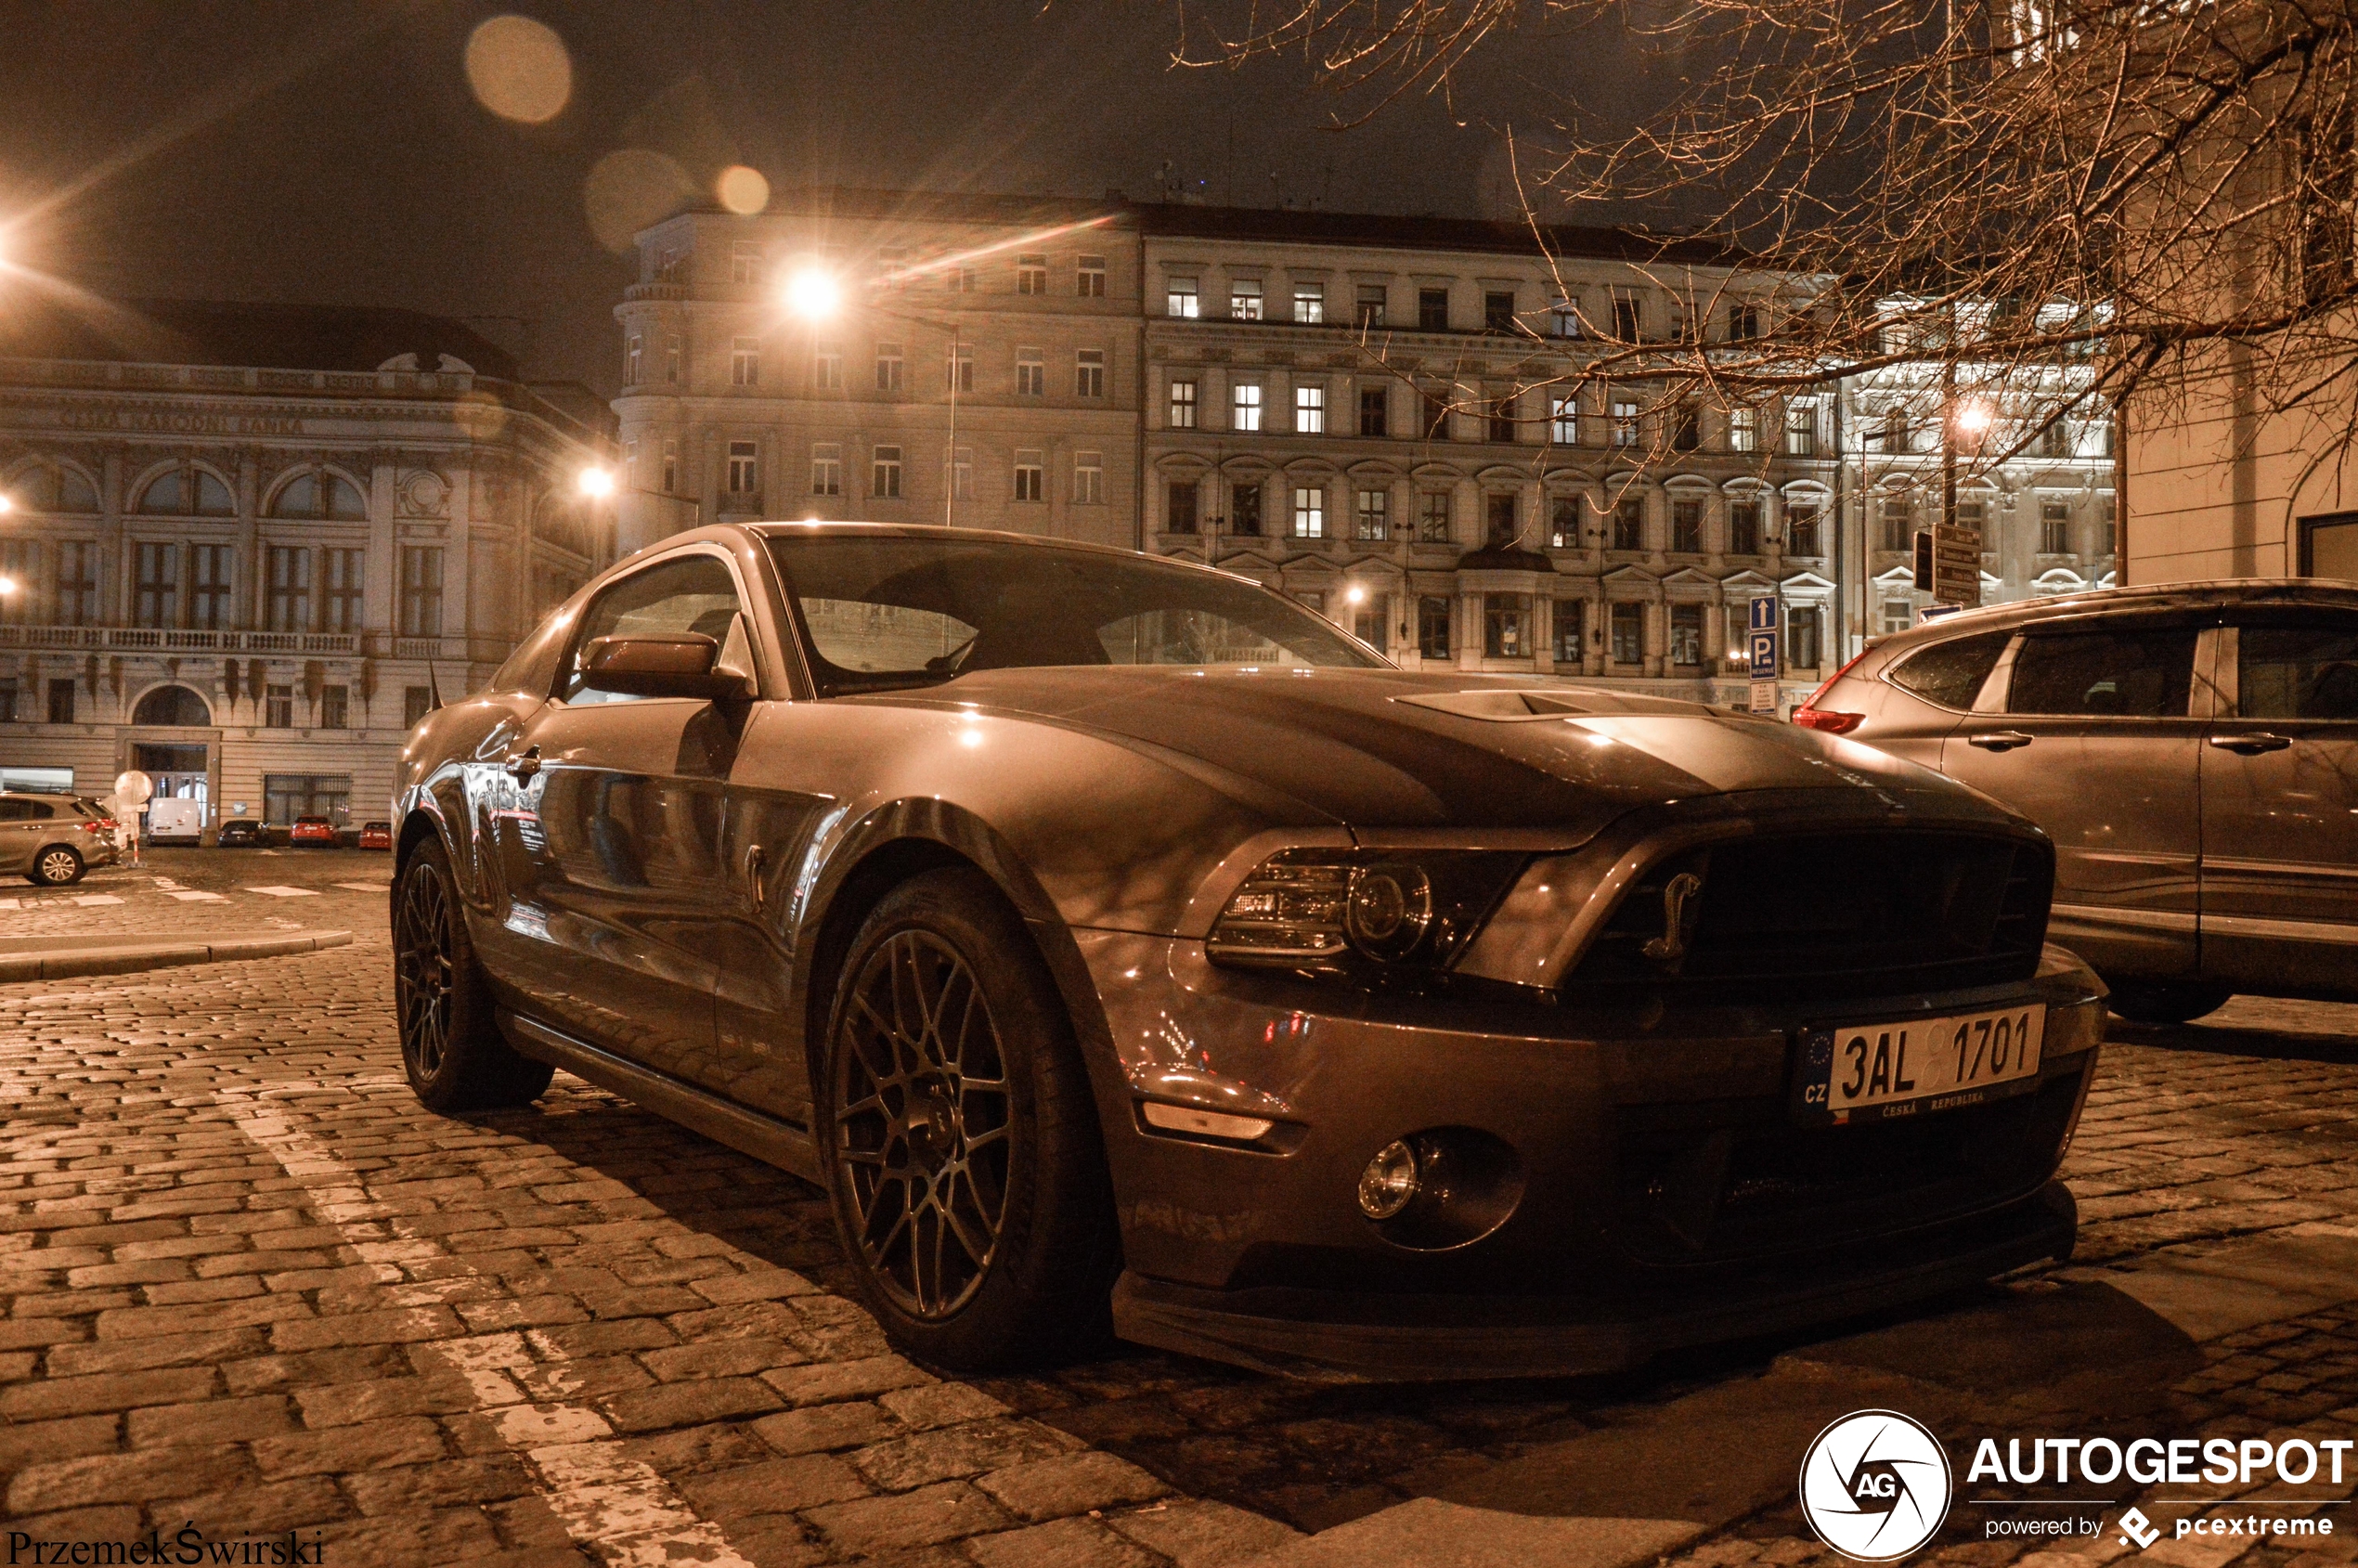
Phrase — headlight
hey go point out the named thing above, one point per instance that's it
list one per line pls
(1367, 912)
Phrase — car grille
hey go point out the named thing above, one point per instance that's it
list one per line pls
(1833, 915)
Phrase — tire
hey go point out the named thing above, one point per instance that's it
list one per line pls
(56, 865)
(975, 1211)
(2165, 1001)
(452, 1046)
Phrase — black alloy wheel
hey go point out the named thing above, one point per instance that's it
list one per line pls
(451, 1047)
(960, 1136)
(57, 865)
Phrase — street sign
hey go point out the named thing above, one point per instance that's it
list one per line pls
(1764, 697)
(1764, 612)
(1956, 565)
(1761, 641)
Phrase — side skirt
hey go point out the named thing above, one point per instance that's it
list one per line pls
(773, 1142)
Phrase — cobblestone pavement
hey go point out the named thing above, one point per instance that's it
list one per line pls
(251, 1283)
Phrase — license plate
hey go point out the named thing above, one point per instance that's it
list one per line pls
(1871, 1072)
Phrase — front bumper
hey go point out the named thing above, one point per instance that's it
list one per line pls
(1662, 1192)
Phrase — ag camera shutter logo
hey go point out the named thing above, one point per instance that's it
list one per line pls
(1875, 1485)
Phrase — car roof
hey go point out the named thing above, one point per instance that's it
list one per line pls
(2217, 594)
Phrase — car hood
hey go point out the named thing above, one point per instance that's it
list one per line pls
(1395, 749)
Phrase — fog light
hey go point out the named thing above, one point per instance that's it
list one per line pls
(1388, 1182)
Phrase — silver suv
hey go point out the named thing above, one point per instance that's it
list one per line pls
(54, 838)
(2192, 749)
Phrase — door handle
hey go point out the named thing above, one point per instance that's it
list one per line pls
(2001, 740)
(2252, 744)
(754, 858)
(524, 765)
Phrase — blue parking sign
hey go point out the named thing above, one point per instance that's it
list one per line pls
(1764, 612)
(1763, 655)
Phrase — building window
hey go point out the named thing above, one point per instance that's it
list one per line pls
(1895, 434)
(1434, 404)
(670, 467)
(415, 703)
(1686, 525)
(745, 468)
(1183, 404)
(286, 797)
(1433, 516)
(1563, 522)
(1498, 311)
(287, 607)
(1433, 626)
(1309, 512)
(888, 367)
(745, 261)
(961, 474)
(1032, 273)
(1500, 515)
(342, 601)
(1686, 428)
(159, 584)
(884, 473)
(1686, 634)
(1624, 423)
(1244, 504)
(1801, 429)
(1180, 298)
(672, 350)
(958, 370)
(186, 490)
(744, 363)
(1433, 310)
(1804, 630)
(1563, 318)
(335, 706)
(1089, 374)
(1629, 317)
(1801, 531)
(210, 605)
(1499, 418)
(422, 591)
(1371, 303)
(2104, 527)
(1180, 500)
(1372, 518)
(1898, 523)
(1088, 478)
(1032, 476)
(1744, 430)
(1563, 420)
(826, 467)
(277, 708)
(1570, 619)
(1244, 299)
(826, 367)
(1031, 372)
(62, 701)
(1309, 302)
(2054, 441)
(1375, 411)
(633, 354)
(77, 595)
(1743, 527)
(1309, 409)
(960, 280)
(1743, 322)
(1248, 406)
(1313, 600)
(1630, 522)
(1506, 625)
(1628, 634)
(2054, 528)
(1089, 278)
(1898, 615)
(21, 564)
(1370, 621)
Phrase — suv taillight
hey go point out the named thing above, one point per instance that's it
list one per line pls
(1810, 716)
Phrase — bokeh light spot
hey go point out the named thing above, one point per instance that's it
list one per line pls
(741, 190)
(519, 70)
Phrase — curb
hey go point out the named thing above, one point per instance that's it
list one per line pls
(68, 960)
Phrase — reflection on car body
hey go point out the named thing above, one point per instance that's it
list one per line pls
(1124, 946)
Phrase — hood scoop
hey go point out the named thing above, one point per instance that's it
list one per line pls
(1510, 706)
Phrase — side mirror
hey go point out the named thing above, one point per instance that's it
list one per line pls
(686, 664)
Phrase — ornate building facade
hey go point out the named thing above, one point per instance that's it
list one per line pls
(247, 546)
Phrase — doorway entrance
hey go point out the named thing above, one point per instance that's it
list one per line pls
(177, 772)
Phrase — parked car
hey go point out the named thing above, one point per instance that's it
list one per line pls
(241, 834)
(2192, 751)
(376, 835)
(312, 830)
(52, 839)
(1120, 943)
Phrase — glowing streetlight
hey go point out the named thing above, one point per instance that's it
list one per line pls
(812, 293)
(1973, 419)
(597, 483)
(6, 506)
(7, 585)
(1355, 594)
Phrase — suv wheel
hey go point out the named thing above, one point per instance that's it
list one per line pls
(2163, 1002)
(452, 1046)
(57, 865)
(959, 1137)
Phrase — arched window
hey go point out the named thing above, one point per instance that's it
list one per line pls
(179, 491)
(320, 495)
(172, 704)
(51, 487)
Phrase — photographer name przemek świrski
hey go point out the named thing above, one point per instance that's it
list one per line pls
(188, 1546)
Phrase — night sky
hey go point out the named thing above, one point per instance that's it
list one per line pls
(333, 153)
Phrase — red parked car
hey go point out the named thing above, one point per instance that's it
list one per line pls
(312, 830)
(376, 835)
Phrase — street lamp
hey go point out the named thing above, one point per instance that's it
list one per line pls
(814, 293)
(597, 483)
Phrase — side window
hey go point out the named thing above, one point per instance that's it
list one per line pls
(1951, 673)
(2115, 672)
(689, 593)
(2305, 668)
(14, 811)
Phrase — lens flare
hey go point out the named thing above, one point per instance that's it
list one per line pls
(519, 70)
(741, 190)
(597, 483)
(814, 293)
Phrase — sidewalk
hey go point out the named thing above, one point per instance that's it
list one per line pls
(57, 958)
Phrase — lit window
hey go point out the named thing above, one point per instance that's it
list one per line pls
(1433, 516)
(745, 361)
(1372, 515)
(1309, 302)
(884, 473)
(1624, 423)
(1244, 299)
(1031, 373)
(1506, 625)
(1091, 278)
(1180, 298)
(1032, 476)
(1032, 273)
(826, 469)
(1089, 374)
(1183, 404)
(1309, 409)
(1564, 318)
(1744, 430)
(1088, 478)
(1563, 420)
(1248, 406)
(1309, 512)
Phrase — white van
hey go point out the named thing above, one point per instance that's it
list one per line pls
(174, 822)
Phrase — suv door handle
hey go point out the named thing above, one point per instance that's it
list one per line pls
(2251, 746)
(525, 764)
(1999, 740)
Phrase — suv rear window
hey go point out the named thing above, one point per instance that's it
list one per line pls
(1951, 673)
(2115, 672)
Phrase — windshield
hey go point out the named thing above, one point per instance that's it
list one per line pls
(886, 612)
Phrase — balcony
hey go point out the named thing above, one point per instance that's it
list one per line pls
(164, 639)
